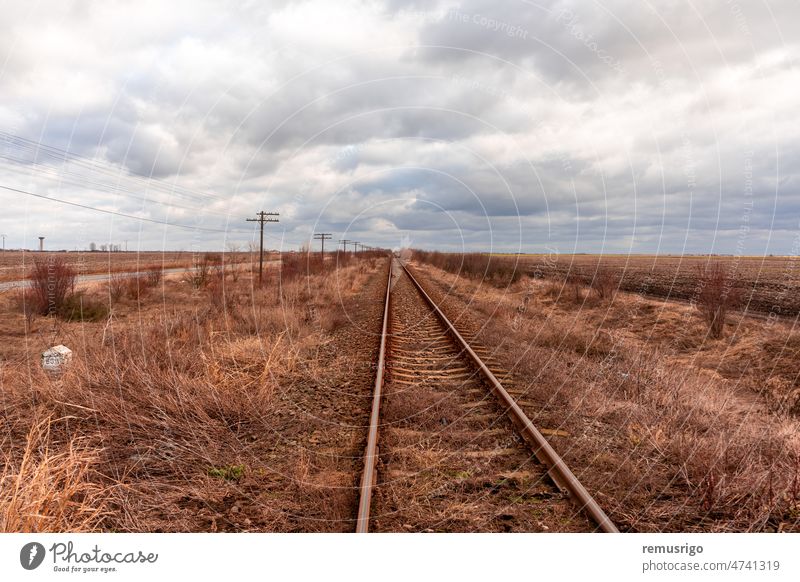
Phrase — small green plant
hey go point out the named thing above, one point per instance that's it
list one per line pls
(460, 475)
(229, 473)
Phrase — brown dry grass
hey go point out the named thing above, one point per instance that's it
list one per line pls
(165, 400)
(663, 426)
(50, 488)
(499, 271)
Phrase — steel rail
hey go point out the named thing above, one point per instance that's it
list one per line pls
(368, 477)
(556, 467)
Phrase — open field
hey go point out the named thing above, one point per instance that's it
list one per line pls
(17, 265)
(767, 285)
(675, 430)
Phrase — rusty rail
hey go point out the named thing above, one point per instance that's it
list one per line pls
(556, 467)
(368, 477)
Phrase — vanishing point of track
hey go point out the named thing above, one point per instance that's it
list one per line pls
(448, 447)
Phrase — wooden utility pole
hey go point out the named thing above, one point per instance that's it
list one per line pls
(344, 242)
(323, 236)
(263, 217)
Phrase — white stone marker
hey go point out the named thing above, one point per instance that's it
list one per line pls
(56, 358)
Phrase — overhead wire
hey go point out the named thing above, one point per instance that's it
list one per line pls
(26, 146)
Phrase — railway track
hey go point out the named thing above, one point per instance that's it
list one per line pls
(449, 448)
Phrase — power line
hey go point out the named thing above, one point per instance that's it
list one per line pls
(115, 213)
(53, 152)
(263, 217)
(35, 150)
(323, 236)
(84, 182)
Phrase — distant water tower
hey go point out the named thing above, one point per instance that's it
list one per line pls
(41, 244)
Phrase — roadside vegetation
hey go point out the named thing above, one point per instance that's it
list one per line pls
(172, 413)
(497, 270)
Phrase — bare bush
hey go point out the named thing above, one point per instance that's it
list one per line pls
(303, 263)
(136, 286)
(154, 277)
(604, 283)
(116, 286)
(716, 297)
(52, 281)
(221, 296)
(203, 269)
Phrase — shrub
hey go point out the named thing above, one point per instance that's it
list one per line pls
(203, 268)
(52, 280)
(573, 291)
(136, 286)
(604, 283)
(116, 286)
(716, 297)
(221, 296)
(153, 277)
(303, 263)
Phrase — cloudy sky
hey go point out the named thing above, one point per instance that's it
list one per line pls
(589, 126)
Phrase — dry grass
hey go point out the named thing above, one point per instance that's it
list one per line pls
(161, 399)
(663, 427)
(51, 488)
(498, 271)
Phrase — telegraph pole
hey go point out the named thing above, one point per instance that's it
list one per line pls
(355, 246)
(344, 242)
(263, 217)
(323, 236)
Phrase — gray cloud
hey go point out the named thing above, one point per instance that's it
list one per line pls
(611, 125)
